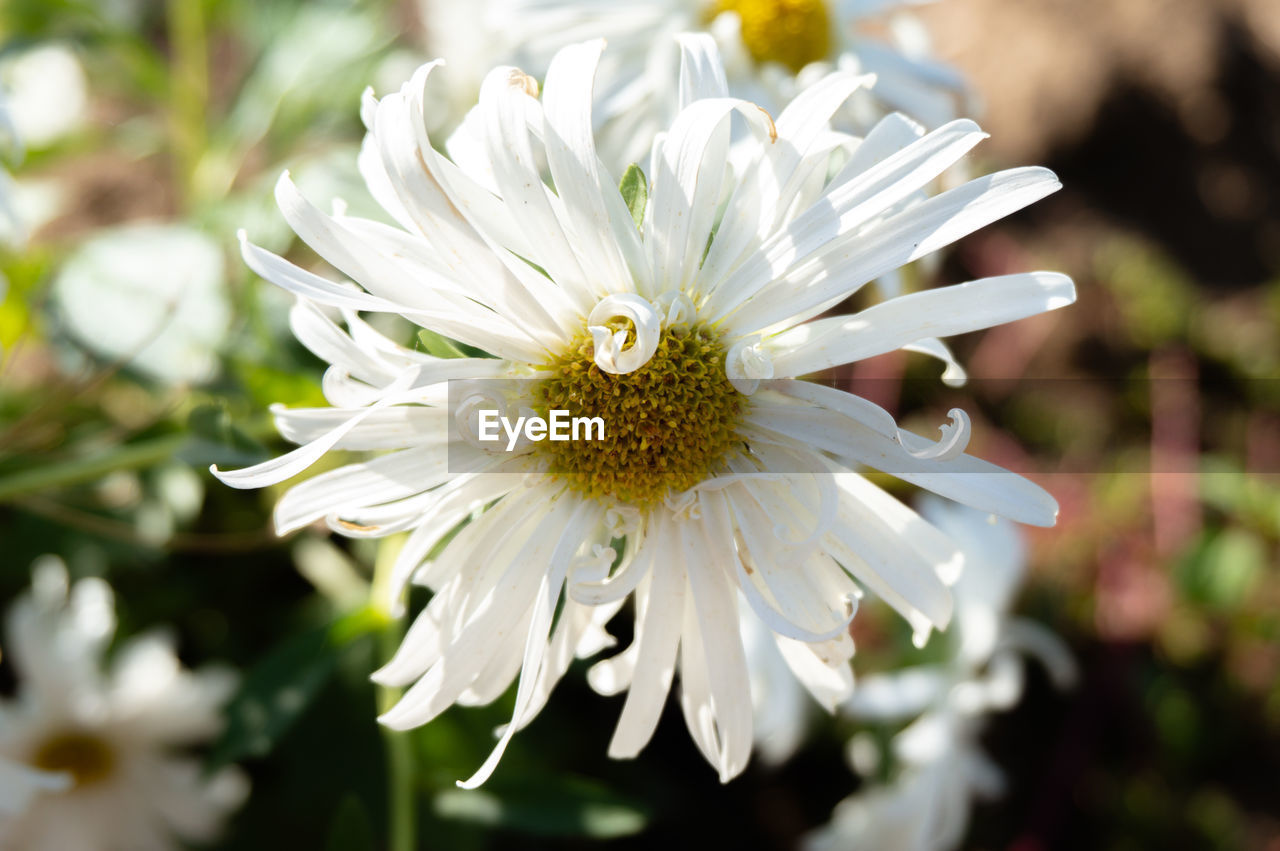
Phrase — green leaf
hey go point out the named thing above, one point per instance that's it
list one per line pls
(635, 192)
(274, 695)
(269, 385)
(1223, 569)
(549, 806)
(350, 829)
(439, 346)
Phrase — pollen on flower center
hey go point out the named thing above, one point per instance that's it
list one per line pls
(667, 423)
(85, 757)
(790, 32)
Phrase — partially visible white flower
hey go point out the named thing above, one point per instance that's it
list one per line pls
(772, 50)
(20, 784)
(151, 295)
(472, 38)
(47, 93)
(940, 765)
(926, 807)
(116, 731)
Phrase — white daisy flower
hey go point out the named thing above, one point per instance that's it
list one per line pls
(112, 737)
(926, 807)
(772, 50)
(722, 470)
(20, 784)
(942, 767)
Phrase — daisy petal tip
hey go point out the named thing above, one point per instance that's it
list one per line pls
(286, 192)
(394, 719)
(1065, 292)
(383, 677)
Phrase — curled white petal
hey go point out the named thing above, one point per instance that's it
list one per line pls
(1038, 642)
(610, 355)
(676, 308)
(467, 415)
(621, 520)
(606, 589)
(592, 566)
(747, 364)
(466, 418)
(684, 505)
(953, 374)
(824, 513)
(954, 441)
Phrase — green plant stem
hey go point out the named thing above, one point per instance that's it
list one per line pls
(402, 788)
(80, 470)
(188, 91)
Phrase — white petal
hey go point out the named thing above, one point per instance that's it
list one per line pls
(687, 179)
(845, 264)
(717, 646)
(939, 312)
(389, 428)
(657, 638)
(504, 100)
(524, 557)
(605, 234)
(832, 222)
(536, 642)
(379, 480)
(953, 373)
(291, 463)
(701, 71)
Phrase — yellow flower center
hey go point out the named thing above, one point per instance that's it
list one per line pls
(86, 758)
(790, 32)
(666, 425)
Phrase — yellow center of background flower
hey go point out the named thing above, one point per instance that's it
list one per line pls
(666, 425)
(790, 32)
(86, 758)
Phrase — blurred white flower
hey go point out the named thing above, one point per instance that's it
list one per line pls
(20, 784)
(151, 295)
(733, 486)
(940, 765)
(112, 734)
(926, 807)
(772, 50)
(47, 93)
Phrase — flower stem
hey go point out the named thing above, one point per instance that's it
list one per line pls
(188, 90)
(86, 469)
(402, 786)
